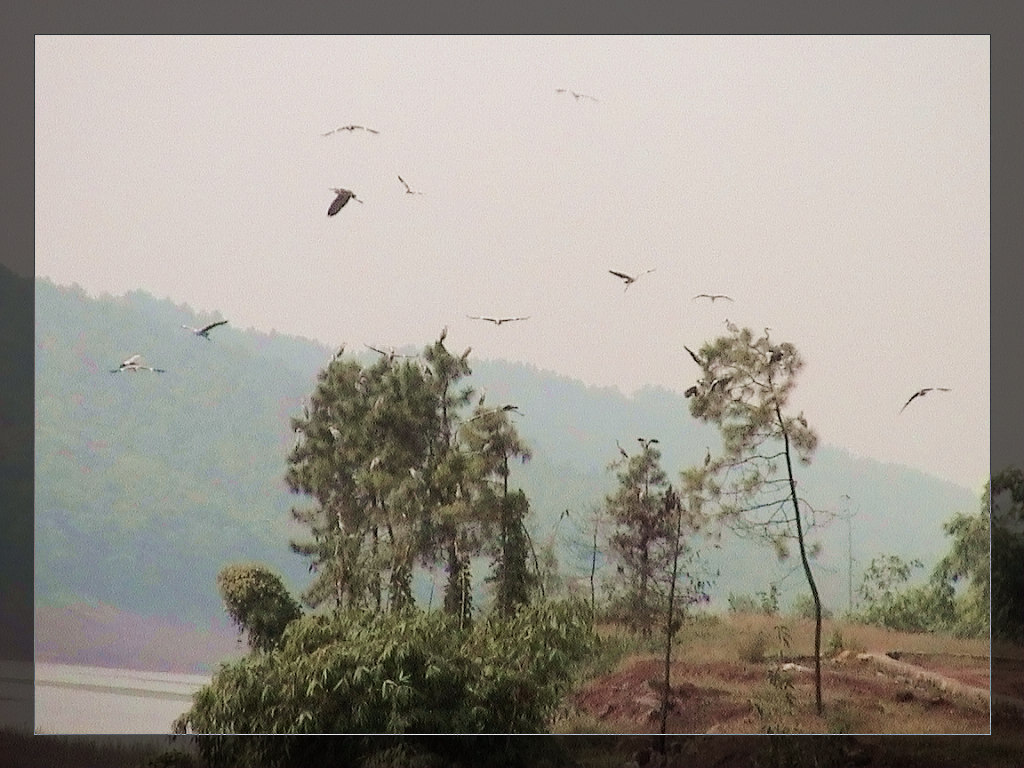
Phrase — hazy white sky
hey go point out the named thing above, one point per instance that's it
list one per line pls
(836, 187)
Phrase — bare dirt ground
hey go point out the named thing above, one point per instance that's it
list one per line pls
(861, 696)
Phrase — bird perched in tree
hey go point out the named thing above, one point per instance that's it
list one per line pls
(776, 355)
(575, 95)
(691, 391)
(647, 442)
(205, 330)
(629, 279)
(408, 190)
(390, 354)
(922, 393)
(498, 320)
(350, 128)
(713, 296)
(131, 365)
(343, 196)
(500, 409)
(721, 381)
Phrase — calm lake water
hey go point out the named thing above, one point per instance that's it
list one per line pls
(84, 700)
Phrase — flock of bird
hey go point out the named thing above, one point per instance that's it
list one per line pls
(343, 196)
(134, 363)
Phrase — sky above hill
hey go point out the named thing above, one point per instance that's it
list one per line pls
(837, 188)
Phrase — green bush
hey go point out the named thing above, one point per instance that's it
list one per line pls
(408, 672)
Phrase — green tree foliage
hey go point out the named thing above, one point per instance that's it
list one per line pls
(258, 603)
(361, 671)
(493, 442)
(1007, 583)
(745, 387)
(642, 531)
(887, 602)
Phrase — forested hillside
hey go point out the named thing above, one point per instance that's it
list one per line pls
(148, 484)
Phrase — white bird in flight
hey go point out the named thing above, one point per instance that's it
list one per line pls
(922, 393)
(629, 279)
(712, 296)
(205, 330)
(343, 196)
(498, 320)
(132, 365)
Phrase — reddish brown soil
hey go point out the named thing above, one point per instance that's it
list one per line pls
(716, 697)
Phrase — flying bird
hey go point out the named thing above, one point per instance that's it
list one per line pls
(498, 320)
(713, 296)
(629, 279)
(132, 365)
(707, 457)
(205, 330)
(409, 190)
(922, 393)
(350, 128)
(343, 196)
(575, 95)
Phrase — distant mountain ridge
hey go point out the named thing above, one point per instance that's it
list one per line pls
(146, 485)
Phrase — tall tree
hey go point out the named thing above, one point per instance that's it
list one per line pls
(451, 525)
(364, 442)
(637, 508)
(745, 391)
(493, 442)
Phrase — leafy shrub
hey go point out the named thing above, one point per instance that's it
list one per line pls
(803, 607)
(754, 647)
(258, 603)
(405, 672)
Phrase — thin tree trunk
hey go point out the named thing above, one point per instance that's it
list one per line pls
(806, 564)
(670, 499)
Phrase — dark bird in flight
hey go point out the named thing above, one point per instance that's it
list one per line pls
(343, 196)
(575, 95)
(629, 279)
(205, 330)
(713, 296)
(693, 354)
(131, 365)
(707, 457)
(922, 393)
(498, 320)
(350, 128)
(408, 190)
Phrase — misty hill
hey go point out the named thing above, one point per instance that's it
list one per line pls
(146, 485)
